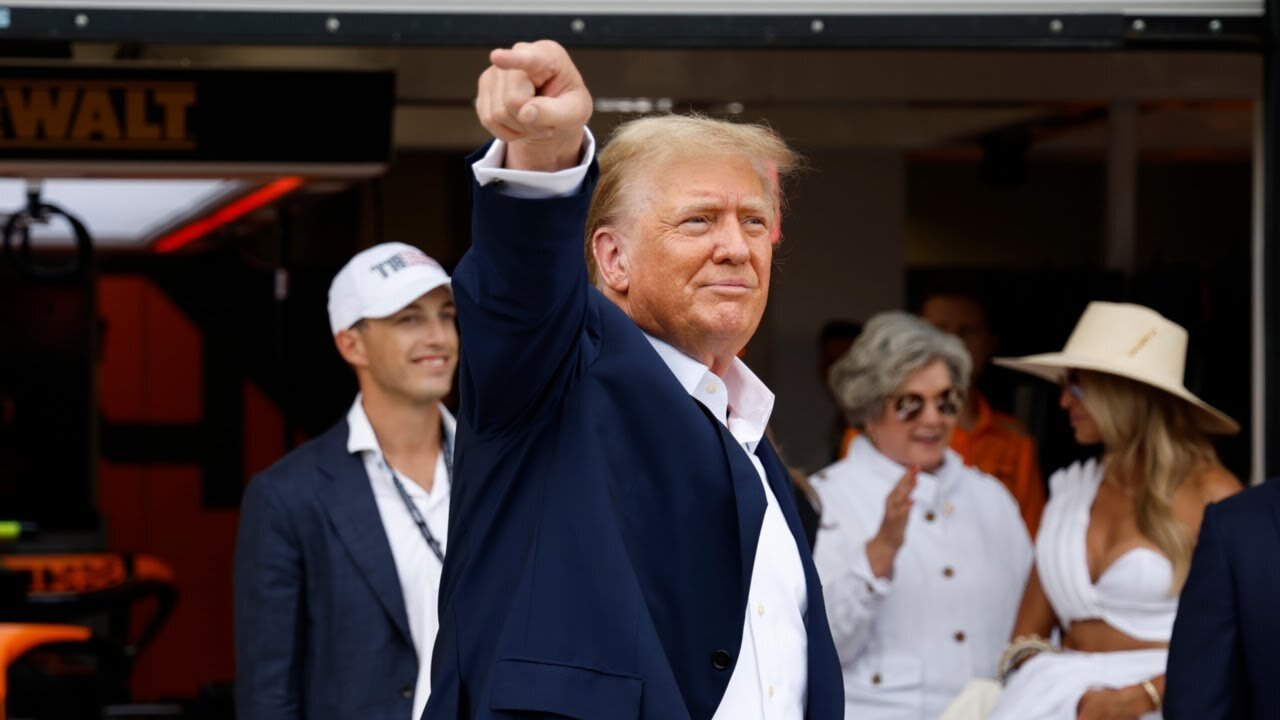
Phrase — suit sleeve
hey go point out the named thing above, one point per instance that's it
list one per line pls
(269, 608)
(521, 292)
(1204, 652)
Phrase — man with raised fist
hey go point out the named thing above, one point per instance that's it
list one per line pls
(623, 542)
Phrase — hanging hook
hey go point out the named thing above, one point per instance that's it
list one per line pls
(38, 211)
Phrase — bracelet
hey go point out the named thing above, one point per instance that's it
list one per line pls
(1023, 648)
(1152, 693)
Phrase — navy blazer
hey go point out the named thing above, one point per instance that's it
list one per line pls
(320, 624)
(1224, 660)
(604, 524)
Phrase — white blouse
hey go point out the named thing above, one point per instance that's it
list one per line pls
(908, 644)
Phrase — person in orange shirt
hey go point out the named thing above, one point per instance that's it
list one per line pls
(994, 442)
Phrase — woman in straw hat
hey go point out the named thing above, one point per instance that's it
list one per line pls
(1116, 539)
(921, 556)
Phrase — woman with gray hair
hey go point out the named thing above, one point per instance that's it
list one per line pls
(922, 558)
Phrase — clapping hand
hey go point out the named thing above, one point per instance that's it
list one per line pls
(883, 548)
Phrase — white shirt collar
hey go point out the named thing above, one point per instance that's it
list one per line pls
(740, 400)
(930, 486)
(361, 438)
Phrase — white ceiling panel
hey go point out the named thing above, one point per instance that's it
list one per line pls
(117, 213)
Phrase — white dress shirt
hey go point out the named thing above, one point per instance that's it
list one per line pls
(907, 645)
(770, 675)
(416, 565)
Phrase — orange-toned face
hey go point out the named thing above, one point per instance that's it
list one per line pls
(694, 262)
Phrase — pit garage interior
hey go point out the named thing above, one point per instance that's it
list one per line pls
(224, 160)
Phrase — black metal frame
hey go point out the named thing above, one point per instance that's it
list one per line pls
(608, 30)
(1271, 246)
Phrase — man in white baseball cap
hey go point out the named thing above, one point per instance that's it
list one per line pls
(341, 543)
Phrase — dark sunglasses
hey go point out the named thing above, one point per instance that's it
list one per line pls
(1071, 383)
(908, 406)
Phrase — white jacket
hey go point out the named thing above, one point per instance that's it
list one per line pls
(908, 644)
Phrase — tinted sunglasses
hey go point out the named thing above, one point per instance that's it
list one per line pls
(1071, 383)
(908, 406)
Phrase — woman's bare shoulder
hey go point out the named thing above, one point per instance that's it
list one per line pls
(1216, 483)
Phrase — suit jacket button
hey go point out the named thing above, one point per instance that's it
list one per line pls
(406, 691)
(721, 660)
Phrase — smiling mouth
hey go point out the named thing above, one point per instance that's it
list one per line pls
(434, 361)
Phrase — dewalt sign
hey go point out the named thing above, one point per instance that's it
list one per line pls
(95, 114)
(73, 116)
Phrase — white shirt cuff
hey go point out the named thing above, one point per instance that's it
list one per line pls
(531, 184)
(860, 567)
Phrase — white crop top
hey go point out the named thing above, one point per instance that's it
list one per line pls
(1133, 594)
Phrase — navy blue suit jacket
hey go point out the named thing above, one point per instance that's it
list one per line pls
(320, 624)
(1224, 657)
(604, 525)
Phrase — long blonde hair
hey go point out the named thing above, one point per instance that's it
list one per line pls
(1154, 442)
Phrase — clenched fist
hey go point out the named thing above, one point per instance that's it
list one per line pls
(533, 98)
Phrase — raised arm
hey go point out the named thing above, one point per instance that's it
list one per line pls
(521, 290)
(857, 570)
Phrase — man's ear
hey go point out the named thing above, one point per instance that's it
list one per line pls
(350, 344)
(611, 260)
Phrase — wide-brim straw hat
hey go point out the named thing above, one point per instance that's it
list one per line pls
(1130, 341)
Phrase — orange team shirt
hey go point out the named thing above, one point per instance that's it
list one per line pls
(999, 446)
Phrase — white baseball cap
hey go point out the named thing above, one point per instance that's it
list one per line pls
(380, 281)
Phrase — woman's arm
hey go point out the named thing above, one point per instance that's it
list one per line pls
(1035, 614)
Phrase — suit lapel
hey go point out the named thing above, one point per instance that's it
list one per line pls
(780, 483)
(748, 494)
(1275, 504)
(348, 500)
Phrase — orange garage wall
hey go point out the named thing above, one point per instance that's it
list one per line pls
(152, 373)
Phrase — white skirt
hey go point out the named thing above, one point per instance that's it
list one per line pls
(1049, 686)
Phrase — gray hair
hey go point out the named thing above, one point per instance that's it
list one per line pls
(892, 347)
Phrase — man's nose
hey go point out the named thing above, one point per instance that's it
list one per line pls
(731, 244)
(436, 330)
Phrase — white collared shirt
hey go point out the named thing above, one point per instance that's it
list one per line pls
(416, 565)
(908, 644)
(770, 676)
(771, 673)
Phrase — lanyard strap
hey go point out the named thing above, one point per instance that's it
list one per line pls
(414, 513)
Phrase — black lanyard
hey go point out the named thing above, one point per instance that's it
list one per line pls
(418, 520)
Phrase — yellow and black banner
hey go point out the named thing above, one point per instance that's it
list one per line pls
(217, 116)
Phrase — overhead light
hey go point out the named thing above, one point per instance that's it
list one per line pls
(193, 231)
(638, 105)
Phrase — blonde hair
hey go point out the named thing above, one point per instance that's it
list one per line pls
(641, 146)
(1155, 439)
